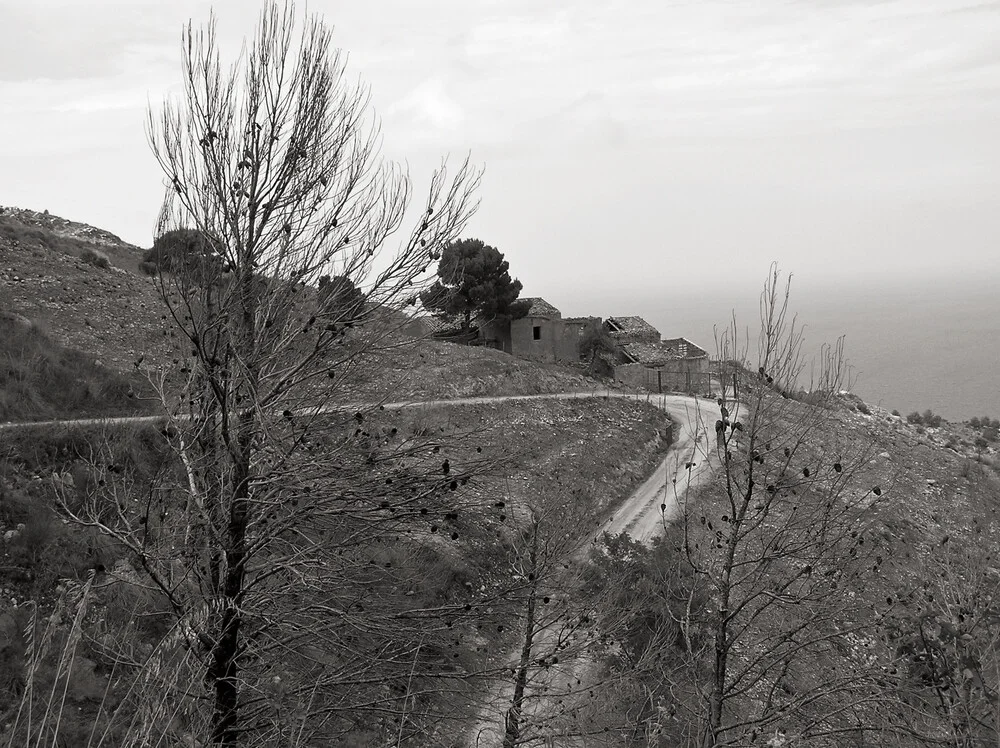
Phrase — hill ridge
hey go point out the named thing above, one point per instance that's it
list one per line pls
(64, 227)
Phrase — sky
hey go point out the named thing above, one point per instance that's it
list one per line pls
(631, 148)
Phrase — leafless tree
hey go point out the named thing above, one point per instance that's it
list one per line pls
(276, 535)
(782, 541)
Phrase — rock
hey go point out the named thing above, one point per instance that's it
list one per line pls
(931, 482)
(884, 455)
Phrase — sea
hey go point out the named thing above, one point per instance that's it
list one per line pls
(930, 343)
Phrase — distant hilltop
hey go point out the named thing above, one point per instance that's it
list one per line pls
(64, 227)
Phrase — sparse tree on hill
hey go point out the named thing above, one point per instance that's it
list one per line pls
(548, 689)
(185, 251)
(596, 342)
(474, 277)
(264, 553)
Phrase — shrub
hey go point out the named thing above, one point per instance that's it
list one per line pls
(863, 408)
(974, 422)
(595, 342)
(991, 434)
(95, 258)
(914, 417)
(931, 418)
(896, 412)
(186, 250)
(148, 268)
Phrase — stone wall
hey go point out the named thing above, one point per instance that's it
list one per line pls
(496, 334)
(558, 340)
(568, 341)
(524, 344)
(681, 375)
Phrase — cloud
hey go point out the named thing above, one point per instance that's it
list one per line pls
(429, 107)
(517, 37)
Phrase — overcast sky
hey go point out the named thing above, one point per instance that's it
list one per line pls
(627, 145)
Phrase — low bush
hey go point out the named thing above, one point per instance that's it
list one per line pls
(95, 258)
(928, 418)
(863, 408)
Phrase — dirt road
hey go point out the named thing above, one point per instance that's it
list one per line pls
(643, 515)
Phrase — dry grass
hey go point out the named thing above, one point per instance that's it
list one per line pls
(40, 379)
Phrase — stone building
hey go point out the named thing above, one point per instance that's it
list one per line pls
(642, 358)
(540, 335)
(674, 365)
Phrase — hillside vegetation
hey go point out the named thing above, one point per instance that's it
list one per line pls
(40, 379)
(453, 565)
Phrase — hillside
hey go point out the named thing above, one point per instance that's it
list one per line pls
(40, 379)
(410, 540)
(115, 315)
(863, 606)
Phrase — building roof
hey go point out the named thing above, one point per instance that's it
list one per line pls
(651, 354)
(582, 320)
(631, 325)
(685, 348)
(539, 307)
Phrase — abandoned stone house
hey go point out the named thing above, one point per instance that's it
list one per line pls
(541, 335)
(675, 365)
(642, 359)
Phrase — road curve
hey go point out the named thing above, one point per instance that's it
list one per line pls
(643, 515)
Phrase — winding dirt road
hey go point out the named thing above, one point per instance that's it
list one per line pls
(643, 515)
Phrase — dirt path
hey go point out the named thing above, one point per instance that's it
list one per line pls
(643, 515)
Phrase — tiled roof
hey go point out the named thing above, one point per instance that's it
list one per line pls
(649, 353)
(631, 325)
(582, 320)
(541, 308)
(685, 348)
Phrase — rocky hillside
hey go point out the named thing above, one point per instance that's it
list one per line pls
(64, 228)
(81, 286)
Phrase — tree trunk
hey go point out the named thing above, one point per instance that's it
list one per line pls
(512, 722)
(224, 670)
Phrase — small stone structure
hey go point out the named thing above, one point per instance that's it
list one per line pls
(675, 365)
(626, 330)
(642, 359)
(541, 335)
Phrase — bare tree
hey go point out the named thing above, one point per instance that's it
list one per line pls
(783, 645)
(276, 533)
